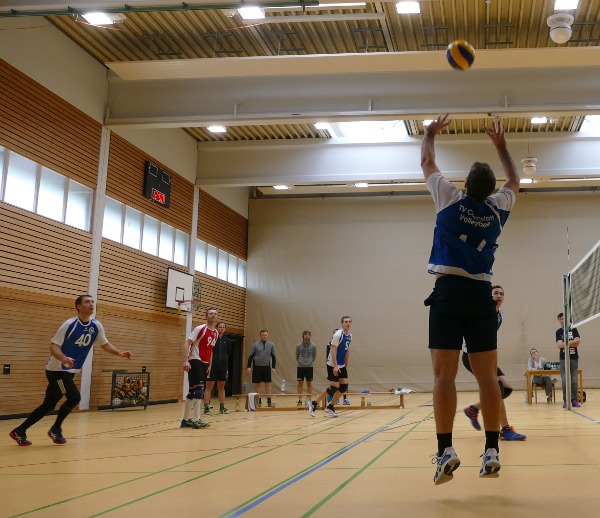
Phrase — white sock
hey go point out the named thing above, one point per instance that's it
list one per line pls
(197, 408)
(187, 409)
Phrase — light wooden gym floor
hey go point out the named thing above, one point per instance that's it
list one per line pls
(367, 463)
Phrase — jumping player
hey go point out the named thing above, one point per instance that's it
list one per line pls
(507, 432)
(468, 225)
(337, 368)
(69, 348)
(197, 358)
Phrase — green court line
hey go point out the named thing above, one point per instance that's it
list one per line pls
(361, 470)
(227, 450)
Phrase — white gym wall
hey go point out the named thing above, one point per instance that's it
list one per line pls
(313, 260)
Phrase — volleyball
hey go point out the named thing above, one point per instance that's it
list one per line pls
(460, 54)
(116, 402)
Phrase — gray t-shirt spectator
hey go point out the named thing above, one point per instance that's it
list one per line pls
(306, 354)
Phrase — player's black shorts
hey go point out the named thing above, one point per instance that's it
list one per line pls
(261, 374)
(462, 309)
(197, 373)
(467, 364)
(304, 373)
(332, 377)
(218, 372)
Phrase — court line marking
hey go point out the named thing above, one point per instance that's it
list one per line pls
(113, 486)
(251, 504)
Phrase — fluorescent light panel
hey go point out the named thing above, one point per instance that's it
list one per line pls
(539, 120)
(280, 187)
(565, 5)
(217, 129)
(408, 8)
(251, 13)
(99, 18)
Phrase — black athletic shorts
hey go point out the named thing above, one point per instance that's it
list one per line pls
(304, 373)
(197, 373)
(467, 364)
(462, 309)
(261, 374)
(218, 373)
(332, 377)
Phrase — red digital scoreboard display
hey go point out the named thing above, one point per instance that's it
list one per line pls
(157, 184)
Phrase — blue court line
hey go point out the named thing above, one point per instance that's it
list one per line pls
(297, 478)
(595, 421)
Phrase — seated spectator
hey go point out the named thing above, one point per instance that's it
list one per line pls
(536, 362)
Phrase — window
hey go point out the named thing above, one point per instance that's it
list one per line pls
(232, 269)
(132, 230)
(211, 261)
(222, 266)
(167, 239)
(113, 220)
(21, 182)
(241, 280)
(200, 265)
(181, 248)
(3, 155)
(150, 235)
(79, 206)
(51, 195)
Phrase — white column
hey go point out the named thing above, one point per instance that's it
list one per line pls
(192, 267)
(97, 220)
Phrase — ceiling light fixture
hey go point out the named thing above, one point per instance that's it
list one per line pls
(101, 19)
(427, 122)
(408, 7)
(217, 129)
(528, 163)
(560, 27)
(361, 185)
(251, 13)
(280, 187)
(539, 120)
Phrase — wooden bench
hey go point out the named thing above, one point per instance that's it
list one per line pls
(276, 399)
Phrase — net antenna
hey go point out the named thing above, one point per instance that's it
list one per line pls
(581, 300)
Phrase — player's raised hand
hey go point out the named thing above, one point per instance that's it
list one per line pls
(496, 133)
(438, 124)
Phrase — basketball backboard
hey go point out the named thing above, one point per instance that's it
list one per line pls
(180, 288)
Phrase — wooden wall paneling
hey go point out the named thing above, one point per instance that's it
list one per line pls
(36, 123)
(155, 344)
(38, 254)
(125, 183)
(133, 279)
(228, 298)
(27, 324)
(222, 227)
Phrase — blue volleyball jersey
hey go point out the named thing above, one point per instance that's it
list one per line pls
(342, 341)
(466, 231)
(76, 340)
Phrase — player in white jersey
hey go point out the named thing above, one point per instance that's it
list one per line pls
(69, 348)
(468, 225)
(337, 368)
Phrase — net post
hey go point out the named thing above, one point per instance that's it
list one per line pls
(567, 325)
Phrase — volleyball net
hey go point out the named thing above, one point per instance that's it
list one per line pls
(581, 297)
(582, 290)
